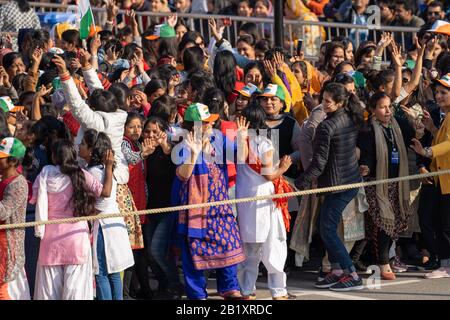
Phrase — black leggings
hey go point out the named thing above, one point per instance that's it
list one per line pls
(381, 246)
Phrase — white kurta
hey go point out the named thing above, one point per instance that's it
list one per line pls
(119, 255)
(256, 219)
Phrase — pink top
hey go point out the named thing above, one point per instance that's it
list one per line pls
(66, 243)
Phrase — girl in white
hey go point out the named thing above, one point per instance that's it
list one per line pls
(262, 223)
(111, 247)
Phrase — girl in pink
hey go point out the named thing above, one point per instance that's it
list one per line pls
(63, 190)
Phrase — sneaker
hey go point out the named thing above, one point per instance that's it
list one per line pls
(397, 266)
(347, 283)
(329, 280)
(322, 275)
(443, 272)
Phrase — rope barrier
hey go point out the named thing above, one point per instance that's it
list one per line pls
(225, 202)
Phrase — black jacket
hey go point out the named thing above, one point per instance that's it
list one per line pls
(334, 160)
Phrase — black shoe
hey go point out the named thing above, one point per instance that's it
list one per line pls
(330, 279)
(347, 283)
(431, 264)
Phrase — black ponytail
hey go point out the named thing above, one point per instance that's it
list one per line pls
(65, 156)
(23, 5)
(99, 143)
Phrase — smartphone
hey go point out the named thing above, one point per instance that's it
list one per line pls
(226, 22)
(299, 46)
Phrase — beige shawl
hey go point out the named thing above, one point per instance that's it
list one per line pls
(387, 215)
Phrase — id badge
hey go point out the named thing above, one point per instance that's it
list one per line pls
(394, 157)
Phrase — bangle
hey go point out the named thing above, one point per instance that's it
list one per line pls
(87, 67)
(65, 76)
(94, 56)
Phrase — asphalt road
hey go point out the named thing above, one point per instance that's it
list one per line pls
(408, 286)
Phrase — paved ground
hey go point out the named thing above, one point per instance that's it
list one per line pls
(408, 286)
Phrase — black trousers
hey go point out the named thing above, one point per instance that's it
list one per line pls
(434, 220)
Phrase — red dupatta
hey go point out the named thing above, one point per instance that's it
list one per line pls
(280, 185)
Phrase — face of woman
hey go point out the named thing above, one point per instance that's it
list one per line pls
(151, 131)
(368, 57)
(347, 68)
(261, 10)
(241, 103)
(155, 95)
(298, 74)
(16, 68)
(254, 76)
(350, 87)
(437, 51)
(383, 111)
(329, 105)
(349, 52)
(271, 105)
(157, 5)
(244, 9)
(443, 97)
(83, 151)
(246, 50)
(133, 129)
(259, 55)
(337, 57)
(180, 31)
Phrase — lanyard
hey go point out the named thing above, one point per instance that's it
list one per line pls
(387, 131)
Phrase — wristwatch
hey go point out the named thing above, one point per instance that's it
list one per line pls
(428, 152)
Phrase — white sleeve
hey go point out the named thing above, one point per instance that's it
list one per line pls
(92, 80)
(81, 111)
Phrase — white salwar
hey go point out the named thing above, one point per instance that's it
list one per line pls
(261, 227)
(18, 288)
(66, 282)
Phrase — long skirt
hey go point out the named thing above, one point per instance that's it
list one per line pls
(133, 223)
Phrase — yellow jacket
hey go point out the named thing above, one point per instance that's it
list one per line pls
(441, 154)
(294, 101)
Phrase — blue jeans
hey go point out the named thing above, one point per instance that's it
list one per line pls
(158, 235)
(109, 286)
(330, 217)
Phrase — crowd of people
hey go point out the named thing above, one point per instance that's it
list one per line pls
(132, 119)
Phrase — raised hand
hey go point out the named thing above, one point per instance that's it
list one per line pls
(215, 29)
(270, 68)
(285, 163)
(172, 20)
(161, 138)
(43, 91)
(85, 58)
(4, 77)
(148, 147)
(194, 144)
(111, 10)
(397, 57)
(36, 57)
(108, 159)
(428, 122)
(242, 127)
(75, 64)
(96, 43)
(60, 64)
(278, 60)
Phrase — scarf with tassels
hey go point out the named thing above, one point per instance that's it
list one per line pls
(387, 215)
(280, 185)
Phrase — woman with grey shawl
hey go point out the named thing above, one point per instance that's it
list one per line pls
(384, 155)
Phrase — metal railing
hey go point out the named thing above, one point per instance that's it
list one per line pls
(199, 23)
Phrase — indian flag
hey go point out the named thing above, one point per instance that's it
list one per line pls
(87, 18)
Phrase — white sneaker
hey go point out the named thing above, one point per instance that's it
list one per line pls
(442, 272)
